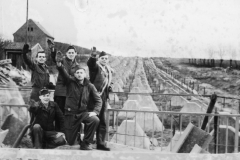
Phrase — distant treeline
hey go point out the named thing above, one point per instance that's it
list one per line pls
(235, 64)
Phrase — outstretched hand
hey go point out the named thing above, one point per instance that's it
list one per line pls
(59, 64)
(94, 54)
(60, 134)
(59, 57)
(92, 114)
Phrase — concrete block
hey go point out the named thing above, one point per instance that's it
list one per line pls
(129, 105)
(135, 90)
(173, 142)
(196, 149)
(3, 135)
(178, 101)
(113, 97)
(15, 126)
(130, 133)
(147, 101)
(191, 136)
(222, 148)
(149, 122)
(117, 88)
(192, 107)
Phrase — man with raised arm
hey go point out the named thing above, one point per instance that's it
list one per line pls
(101, 75)
(68, 62)
(40, 73)
(83, 104)
(43, 131)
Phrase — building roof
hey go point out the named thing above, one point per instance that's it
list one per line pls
(38, 25)
(18, 46)
(42, 28)
(15, 46)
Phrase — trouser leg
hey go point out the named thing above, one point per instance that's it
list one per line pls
(72, 127)
(60, 100)
(52, 141)
(90, 127)
(101, 130)
(37, 133)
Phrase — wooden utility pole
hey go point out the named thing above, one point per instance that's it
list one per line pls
(26, 40)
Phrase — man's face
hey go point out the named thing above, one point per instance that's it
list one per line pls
(45, 98)
(80, 74)
(71, 54)
(103, 60)
(41, 58)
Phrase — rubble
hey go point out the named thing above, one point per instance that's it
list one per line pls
(10, 74)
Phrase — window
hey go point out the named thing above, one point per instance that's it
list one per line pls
(31, 29)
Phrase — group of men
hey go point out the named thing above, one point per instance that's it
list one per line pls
(77, 99)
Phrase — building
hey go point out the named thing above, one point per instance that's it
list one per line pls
(37, 35)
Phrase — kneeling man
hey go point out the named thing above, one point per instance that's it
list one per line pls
(83, 104)
(45, 112)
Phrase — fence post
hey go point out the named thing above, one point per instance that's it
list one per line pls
(107, 124)
(239, 106)
(224, 102)
(216, 131)
(236, 135)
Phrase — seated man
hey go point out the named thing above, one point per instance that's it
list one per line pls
(45, 113)
(83, 104)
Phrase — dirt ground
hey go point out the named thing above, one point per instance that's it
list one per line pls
(218, 80)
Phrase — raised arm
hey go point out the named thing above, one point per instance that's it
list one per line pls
(92, 62)
(34, 106)
(62, 71)
(29, 62)
(53, 55)
(97, 101)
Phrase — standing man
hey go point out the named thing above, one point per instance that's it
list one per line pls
(43, 132)
(101, 75)
(69, 63)
(83, 104)
(40, 74)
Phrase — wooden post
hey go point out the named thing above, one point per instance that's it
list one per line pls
(26, 40)
(215, 136)
(213, 100)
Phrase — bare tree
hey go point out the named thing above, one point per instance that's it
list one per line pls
(234, 57)
(221, 53)
(211, 54)
(3, 44)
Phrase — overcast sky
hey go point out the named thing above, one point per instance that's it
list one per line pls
(171, 28)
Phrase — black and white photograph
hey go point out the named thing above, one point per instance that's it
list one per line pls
(119, 79)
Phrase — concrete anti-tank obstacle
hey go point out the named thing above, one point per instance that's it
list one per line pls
(3, 134)
(15, 126)
(147, 101)
(135, 90)
(178, 101)
(129, 105)
(222, 139)
(113, 97)
(192, 135)
(149, 122)
(173, 141)
(192, 107)
(130, 133)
